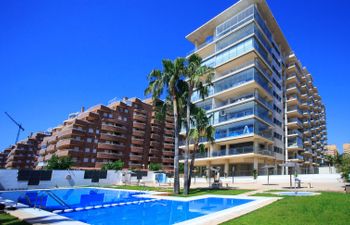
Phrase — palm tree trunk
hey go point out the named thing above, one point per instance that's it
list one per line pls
(191, 167)
(188, 113)
(176, 153)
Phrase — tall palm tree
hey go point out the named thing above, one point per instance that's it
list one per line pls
(198, 79)
(202, 130)
(166, 81)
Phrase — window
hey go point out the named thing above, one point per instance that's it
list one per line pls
(89, 140)
(94, 150)
(91, 130)
(76, 148)
(86, 160)
(119, 118)
(277, 109)
(97, 131)
(87, 150)
(277, 84)
(278, 150)
(126, 110)
(125, 119)
(110, 115)
(277, 122)
(277, 135)
(93, 160)
(277, 96)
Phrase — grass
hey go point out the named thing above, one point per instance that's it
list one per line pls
(325, 209)
(6, 219)
(193, 192)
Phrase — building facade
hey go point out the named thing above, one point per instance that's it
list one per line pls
(346, 148)
(124, 130)
(257, 124)
(305, 118)
(23, 155)
(332, 150)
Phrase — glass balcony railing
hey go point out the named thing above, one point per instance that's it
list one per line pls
(294, 132)
(245, 97)
(240, 111)
(295, 143)
(294, 120)
(294, 108)
(244, 128)
(251, 74)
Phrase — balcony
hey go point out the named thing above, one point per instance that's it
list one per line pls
(113, 128)
(109, 155)
(247, 128)
(293, 133)
(138, 133)
(135, 149)
(66, 143)
(136, 157)
(140, 117)
(168, 153)
(293, 99)
(294, 123)
(139, 125)
(292, 89)
(228, 85)
(110, 146)
(295, 144)
(137, 141)
(241, 111)
(155, 136)
(168, 146)
(294, 111)
(296, 158)
(167, 160)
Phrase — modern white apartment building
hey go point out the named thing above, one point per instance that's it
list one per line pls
(248, 100)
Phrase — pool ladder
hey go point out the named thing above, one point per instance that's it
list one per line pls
(53, 196)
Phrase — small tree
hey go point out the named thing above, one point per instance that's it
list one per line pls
(116, 165)
(344, 167)
(59, 163)
(155, 166)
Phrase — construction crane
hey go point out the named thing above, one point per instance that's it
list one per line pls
(18, 124)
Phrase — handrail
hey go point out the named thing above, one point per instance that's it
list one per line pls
(58, 199)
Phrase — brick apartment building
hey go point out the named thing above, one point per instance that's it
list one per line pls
(24, 153)
(124, 130)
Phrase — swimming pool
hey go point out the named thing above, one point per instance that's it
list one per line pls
(77, 198)
(106, 206)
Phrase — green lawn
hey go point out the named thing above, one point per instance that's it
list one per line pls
(325, 209)
(193, 192)
(6, 219)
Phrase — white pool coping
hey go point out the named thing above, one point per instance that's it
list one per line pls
(39, 217)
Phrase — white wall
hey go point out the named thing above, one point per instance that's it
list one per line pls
(8, 179)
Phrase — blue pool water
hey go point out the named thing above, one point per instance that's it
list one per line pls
(70, 198)
(139, 210)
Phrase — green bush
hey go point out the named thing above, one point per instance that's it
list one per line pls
(116, 165)
(59, 163)
(154, 166)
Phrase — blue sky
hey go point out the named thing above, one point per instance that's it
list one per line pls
(56, 56)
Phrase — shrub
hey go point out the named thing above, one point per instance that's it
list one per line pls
(116, 165)
(155, 166)
(59, 163)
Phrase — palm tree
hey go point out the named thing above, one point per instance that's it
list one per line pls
(198, 78)
(202, 131)
(167, 80)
